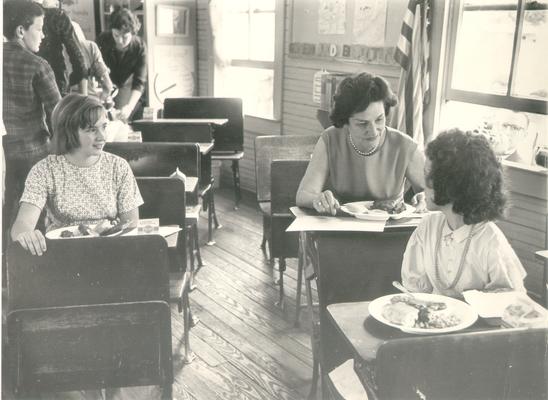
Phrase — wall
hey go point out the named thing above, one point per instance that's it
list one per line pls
(298, 115)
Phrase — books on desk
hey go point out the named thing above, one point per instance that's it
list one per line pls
(347, 383)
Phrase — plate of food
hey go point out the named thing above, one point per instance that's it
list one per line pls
(423, 313)
(379, 209)
(103, 228)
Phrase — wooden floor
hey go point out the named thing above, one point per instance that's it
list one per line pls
(246, 347)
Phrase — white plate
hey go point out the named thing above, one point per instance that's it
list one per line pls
(463, 311)
(56, 233)
(362, 210)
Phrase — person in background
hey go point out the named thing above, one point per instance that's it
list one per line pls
(79, 183)
(460, 248)
(58, 32)
(359, 157)
(99, 83)
(125, 55)
(29, 94)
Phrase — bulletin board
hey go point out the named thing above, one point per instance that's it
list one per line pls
(353, 30)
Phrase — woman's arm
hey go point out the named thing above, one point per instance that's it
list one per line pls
(310, 193)
(415, 175)
(24, 232)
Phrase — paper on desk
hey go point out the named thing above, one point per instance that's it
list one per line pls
(491, 304)
(327, 223)
(347, 382)
(165, 231)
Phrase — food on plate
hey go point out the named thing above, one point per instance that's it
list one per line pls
(411, 312)
(66, 234)
(104, 225)
(103, 228)
(390, 206)
(84, 230)
(413, 301)
(400, 314)
(525, 313)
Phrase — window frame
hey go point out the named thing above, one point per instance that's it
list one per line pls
(508, 100)
(276, 66)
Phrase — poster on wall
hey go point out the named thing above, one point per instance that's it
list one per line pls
(81, 11)
(331, 17)
(370, 22)
(174, 73)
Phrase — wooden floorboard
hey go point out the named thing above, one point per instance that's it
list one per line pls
(246, 347)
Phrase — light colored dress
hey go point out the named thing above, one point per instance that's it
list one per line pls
(73, 195)
(380, 176)
(490, 262)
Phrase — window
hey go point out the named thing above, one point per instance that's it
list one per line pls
(498, 54)
(252, 35)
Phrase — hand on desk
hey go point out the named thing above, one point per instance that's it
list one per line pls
(33, 241)
(326, 203)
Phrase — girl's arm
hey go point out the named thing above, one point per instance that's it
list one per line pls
(24, 232)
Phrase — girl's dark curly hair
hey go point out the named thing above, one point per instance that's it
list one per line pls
(466, 172)
(355, 93)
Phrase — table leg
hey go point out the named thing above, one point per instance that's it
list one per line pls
(236, 177)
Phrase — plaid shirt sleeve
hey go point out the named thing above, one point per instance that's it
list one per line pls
(46, 89)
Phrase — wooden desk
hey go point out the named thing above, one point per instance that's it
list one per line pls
(479, 362)
(191, 121)
(353, 266)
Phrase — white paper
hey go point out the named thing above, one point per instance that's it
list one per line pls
(369, 22)
(347, 382)
(165, 231)
(490, 304)
(328, 223)
(331, 17)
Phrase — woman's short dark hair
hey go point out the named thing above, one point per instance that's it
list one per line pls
(73, 112)
(124, 20)
(465, 171)
(19, 13)
(355, 93)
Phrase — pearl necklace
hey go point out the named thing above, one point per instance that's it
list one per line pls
(361, 153)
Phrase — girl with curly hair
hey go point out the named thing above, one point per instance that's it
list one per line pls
(460, 248)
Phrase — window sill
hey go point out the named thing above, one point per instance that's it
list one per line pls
(262, 125)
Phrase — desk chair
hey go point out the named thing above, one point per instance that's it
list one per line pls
(268, 148)
(285, 176)
(499, 364)
(87, 272)
(229, 138)
(189, 134)
(371, 261)
(57, 349)
(161, 160)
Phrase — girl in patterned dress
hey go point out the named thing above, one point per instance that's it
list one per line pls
(80, 183)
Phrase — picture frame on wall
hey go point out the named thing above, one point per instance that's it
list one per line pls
(172, 21)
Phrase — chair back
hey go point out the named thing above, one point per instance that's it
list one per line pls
(164, 198)
(177, 132)
(286, 176)
(158, 159)
(84, 271)
(90, 347)
(286, 147)
(499, 364)
(230, 136)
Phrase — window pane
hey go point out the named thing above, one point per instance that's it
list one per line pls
(238, 31)
(483, 52)
(254, 85)
(262, 36)
(263, 5)
(532, 73)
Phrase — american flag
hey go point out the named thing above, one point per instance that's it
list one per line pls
(413, 54)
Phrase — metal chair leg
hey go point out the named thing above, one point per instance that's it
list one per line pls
(189, 355)
(210, 241)
(280, 302)
(190, 247)
(236, 177)
(300, 272)
(197, 245)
